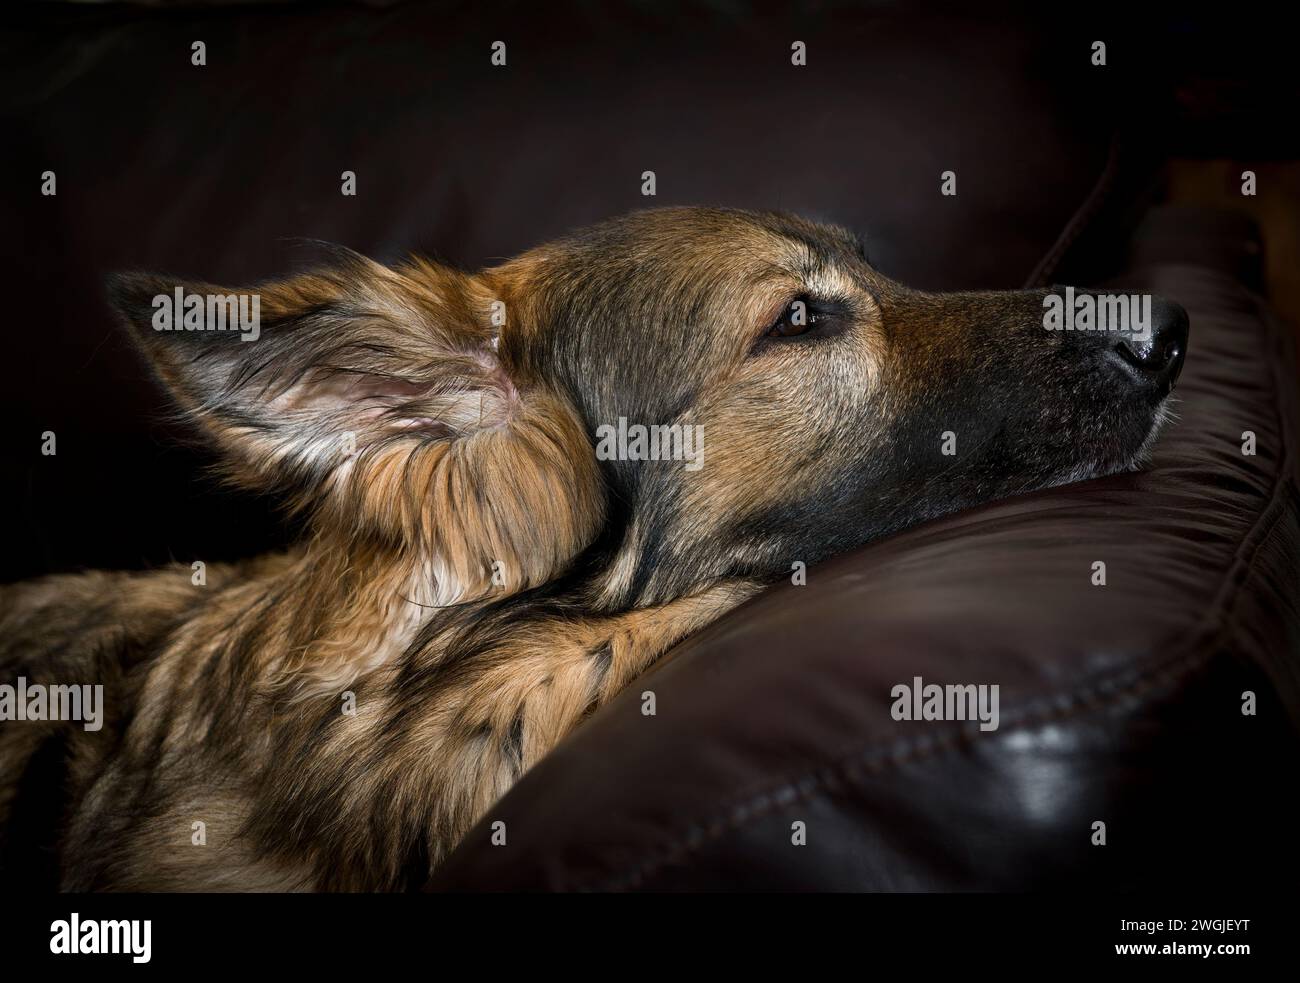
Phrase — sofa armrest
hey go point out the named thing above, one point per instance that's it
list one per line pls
(1120, 704)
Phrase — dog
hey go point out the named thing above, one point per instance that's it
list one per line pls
(475, 577)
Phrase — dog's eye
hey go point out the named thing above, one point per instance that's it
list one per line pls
(799, 317)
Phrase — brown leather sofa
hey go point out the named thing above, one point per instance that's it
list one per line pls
(1120, 704)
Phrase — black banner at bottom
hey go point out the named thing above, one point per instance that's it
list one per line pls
(455, 933)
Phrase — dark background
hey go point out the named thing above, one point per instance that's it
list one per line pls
(217, 172)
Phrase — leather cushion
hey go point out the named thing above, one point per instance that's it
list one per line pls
(1120, 704)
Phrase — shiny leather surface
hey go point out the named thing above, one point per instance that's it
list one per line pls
(1120, 704)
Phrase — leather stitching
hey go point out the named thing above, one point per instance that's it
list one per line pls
(1082, 216)
(1201, 642)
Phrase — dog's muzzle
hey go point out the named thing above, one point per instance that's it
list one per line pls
(1153, 359)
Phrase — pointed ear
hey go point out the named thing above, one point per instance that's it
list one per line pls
(291, 377)
(375, 399)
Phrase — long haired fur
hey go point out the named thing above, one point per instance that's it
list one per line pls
(474, 581)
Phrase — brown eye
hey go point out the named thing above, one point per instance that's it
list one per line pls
(799, 317)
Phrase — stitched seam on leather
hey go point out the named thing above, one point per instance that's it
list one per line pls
(878, 759)
(1227, 596)
(850, 771)
(1202, 643)
(1282, 363)
(1283, 366)
(1082, 215)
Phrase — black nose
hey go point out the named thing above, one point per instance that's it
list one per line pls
(1157, 354)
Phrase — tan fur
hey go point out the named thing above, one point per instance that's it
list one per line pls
(473, 580)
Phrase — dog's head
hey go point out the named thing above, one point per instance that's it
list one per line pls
(695, 394)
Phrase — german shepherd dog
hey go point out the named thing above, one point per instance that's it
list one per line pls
(476, 578)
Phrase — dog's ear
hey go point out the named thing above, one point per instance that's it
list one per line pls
(375, 399)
